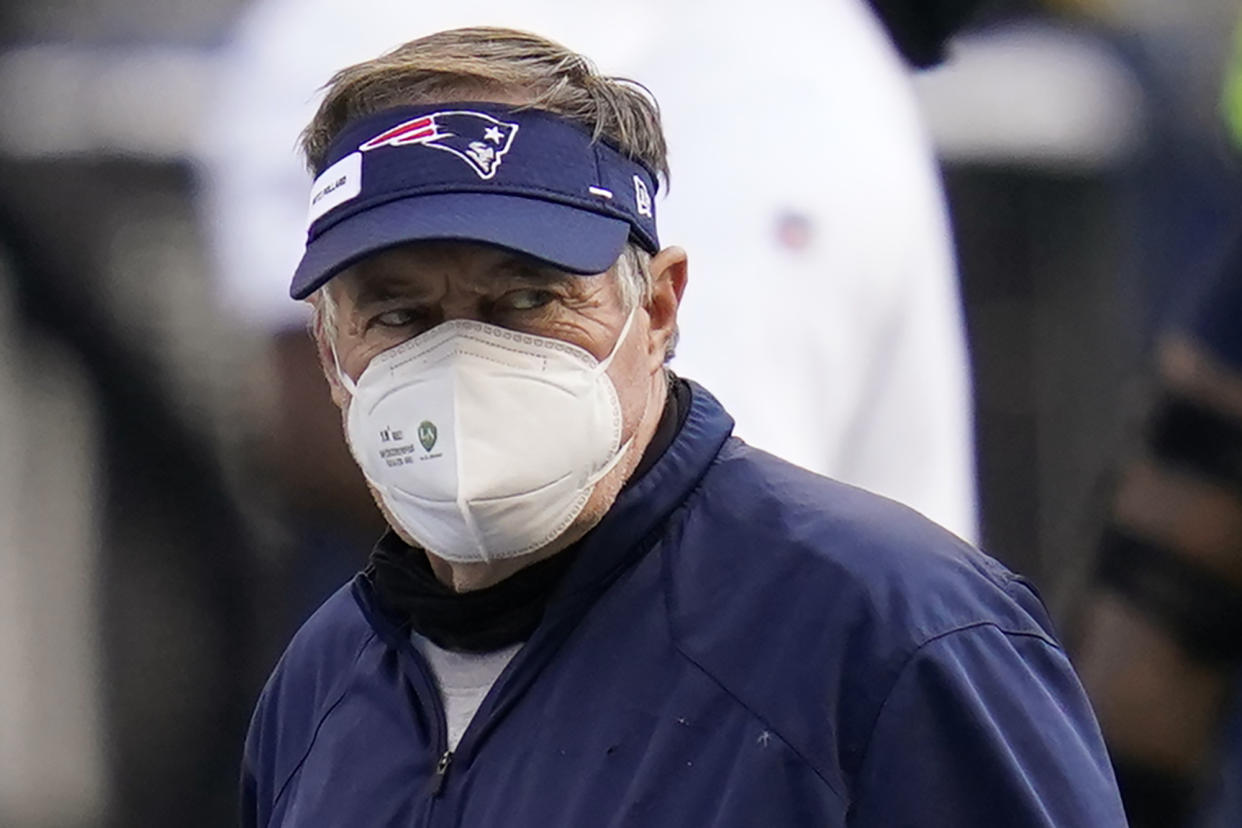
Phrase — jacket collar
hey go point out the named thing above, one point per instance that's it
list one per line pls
(630, 527)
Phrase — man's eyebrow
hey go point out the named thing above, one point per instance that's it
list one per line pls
(528, 270)
(374, 291)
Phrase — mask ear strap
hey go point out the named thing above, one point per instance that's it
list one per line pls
(349, 384)
(616, 346)
(611, 464)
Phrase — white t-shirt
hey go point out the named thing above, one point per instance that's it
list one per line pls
(822, 306)
(464, 680)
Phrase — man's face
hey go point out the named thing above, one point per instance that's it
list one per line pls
(395, 295)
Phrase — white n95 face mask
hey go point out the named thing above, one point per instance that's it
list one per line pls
(485, 443)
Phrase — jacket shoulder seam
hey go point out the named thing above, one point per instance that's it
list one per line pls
(905, 663)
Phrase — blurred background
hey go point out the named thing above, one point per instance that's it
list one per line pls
(165, 524)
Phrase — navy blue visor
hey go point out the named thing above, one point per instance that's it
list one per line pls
(522, 179)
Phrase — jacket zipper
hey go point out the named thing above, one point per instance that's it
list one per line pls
(442, 767)
(440, 777)
(426, 684)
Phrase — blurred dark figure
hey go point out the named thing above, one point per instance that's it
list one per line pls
(921, 30)
(176, 577)
(1161, 643)
(1041, 126)
(1160, 638)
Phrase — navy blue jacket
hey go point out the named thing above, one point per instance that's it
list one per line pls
(740, 643)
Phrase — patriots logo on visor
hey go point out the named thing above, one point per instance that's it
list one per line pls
(478, 139)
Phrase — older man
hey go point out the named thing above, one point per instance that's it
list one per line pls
(594, 606)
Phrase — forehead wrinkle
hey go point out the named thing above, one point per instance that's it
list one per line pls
(525, 269)
(375, 288)
(390, 275)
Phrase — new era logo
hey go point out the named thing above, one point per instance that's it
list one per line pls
(642, 198)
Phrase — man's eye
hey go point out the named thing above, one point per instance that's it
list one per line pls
(398, 318)
(527, 299)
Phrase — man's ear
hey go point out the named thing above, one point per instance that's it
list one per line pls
(323, 348)
(668, 283)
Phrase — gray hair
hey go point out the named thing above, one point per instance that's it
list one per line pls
(633, 276)
(486, 61)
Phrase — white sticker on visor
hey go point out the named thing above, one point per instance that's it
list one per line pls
(336, 185)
